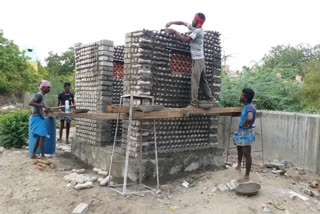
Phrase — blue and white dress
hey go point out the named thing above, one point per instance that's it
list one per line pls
(245, 137)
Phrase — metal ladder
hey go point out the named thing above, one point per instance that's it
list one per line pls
(259, 115)
(124, 191)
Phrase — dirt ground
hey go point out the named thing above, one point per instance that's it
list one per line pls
(26, 189)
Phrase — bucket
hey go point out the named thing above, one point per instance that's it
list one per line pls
(50, 140)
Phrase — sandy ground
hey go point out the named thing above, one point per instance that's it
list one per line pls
(25, 189)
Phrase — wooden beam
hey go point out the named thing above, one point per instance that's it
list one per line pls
(119, 109)
(137, 115)
(57, 109)
(93, 116)
(181, 112)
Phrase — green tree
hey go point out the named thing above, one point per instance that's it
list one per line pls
(275, 93)
(16, 74)
(288, 60)
(63, 64)
(311, 89)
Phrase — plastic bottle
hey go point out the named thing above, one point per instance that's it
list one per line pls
(67, 109)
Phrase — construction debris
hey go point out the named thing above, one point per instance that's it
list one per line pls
(223, 188)
(105, 181)
(88, 184)
(300, 169)
(294, 195)
(287, 164)
(314, 184)
(164, 188)
(82, 208)
(275, 165)
(232, 185)
(185, 184)
(100, 171)
(77, 178)
(41, 164)
(79, 171)
(65, 148)
(280, 172)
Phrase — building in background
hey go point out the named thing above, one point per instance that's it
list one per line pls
(30, 51)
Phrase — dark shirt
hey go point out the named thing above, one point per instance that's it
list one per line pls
(63, 97)
(39, 99)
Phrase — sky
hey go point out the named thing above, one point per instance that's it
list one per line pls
(249, 28)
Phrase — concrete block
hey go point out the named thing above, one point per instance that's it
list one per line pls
(82, 208)
(223, 188)
(232, 185)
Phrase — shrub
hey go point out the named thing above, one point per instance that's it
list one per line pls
(14, 128)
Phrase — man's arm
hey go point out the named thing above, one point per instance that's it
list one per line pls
(181, 37)
(176, 23)
(246, 123)
(33, 103)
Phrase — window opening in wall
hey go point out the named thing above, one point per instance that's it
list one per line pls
(118, 68)
(180, 62)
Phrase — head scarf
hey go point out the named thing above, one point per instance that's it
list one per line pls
(43, 83)
(200, 21)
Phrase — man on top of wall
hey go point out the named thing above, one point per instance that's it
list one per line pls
(195, 39)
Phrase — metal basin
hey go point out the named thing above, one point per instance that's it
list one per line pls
(248, 189)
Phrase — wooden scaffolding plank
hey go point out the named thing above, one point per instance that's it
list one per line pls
(137, 115)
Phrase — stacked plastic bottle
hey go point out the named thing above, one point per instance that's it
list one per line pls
(94, 89)
(159, 64)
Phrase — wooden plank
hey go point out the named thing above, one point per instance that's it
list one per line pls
(137, 115)
(238, 114)
(93, 116)
(119, 109)
(181, 112)
(57, 109)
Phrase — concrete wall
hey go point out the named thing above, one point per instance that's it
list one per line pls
(286, 136)
(169, 164)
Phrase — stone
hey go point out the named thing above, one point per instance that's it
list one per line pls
(223, 188)
(82, 208)
(274, 165)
